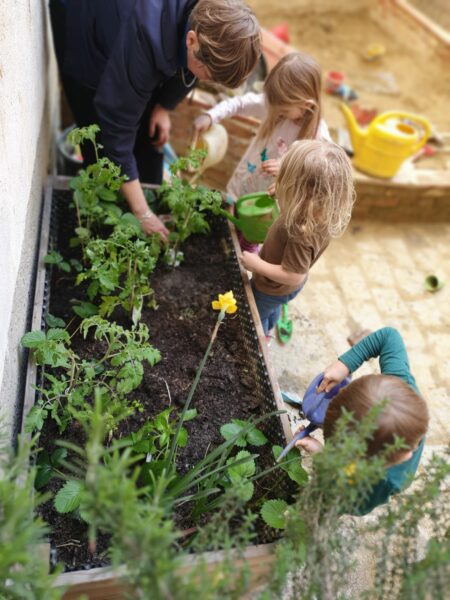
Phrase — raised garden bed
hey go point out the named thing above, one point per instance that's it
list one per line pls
(237, 383)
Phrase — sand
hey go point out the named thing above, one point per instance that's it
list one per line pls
(412, 74)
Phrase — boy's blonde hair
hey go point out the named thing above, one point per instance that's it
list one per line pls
(229, 39)
(315, 188)
(294, 81)
(405, 414)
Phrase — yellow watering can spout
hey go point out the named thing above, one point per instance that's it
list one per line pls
(357, 134)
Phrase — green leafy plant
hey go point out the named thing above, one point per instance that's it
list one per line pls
(96, 187)
(119, 271)
(237, 427)
(187, 205)
(115, 373)
(24, 573)
(47, 465)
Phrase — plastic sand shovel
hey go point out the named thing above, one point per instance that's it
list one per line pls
(284, 326)
(314, 407)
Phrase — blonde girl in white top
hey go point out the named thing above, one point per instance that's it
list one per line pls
(289, 109)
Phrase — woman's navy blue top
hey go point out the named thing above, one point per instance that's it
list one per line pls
(131, 53)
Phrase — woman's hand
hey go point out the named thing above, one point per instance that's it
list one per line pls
(159, 126)
(202, 123)
(249, 261)
(308, 443)
(150, 223)
(271, 166)
(333, 375)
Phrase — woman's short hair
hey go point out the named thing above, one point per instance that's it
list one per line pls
(229, 39)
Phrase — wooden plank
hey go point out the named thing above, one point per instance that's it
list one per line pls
(427, 24)
(106, 584)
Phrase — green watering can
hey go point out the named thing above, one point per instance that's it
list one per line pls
(255, 214)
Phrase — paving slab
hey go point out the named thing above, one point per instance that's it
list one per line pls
(373, 277)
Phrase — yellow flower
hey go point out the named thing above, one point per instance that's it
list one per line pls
(226, 303)
(349, 470)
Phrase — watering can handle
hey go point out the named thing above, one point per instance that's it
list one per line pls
(422, 121)
(194, 140)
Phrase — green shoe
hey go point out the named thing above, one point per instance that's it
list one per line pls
(284, 326)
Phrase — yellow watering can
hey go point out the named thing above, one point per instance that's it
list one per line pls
(387, 142)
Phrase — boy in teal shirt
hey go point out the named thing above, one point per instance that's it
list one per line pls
(405, 414)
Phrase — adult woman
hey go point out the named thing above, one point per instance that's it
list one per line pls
(125, 64)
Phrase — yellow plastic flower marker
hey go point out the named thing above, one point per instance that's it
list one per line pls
(226, 304)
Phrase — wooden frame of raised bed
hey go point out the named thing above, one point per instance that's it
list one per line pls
(104, 582)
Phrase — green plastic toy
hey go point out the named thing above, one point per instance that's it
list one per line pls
(284, 326)
(255, 214)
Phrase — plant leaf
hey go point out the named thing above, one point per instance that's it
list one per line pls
(243, 470)
(69, 496)
(35, 419)
(256, 437)
(272, 512)
(291, 464)
(85, 310)
(229, 430)
(33, 339)
(190, 414)
(53, 321)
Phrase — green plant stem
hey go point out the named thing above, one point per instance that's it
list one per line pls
(194, 386)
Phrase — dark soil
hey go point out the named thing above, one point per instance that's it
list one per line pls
(234, 383)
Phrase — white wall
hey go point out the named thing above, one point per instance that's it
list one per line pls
(27, 121)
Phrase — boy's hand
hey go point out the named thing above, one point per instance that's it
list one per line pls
(249, 261)
(271, 166)
(202, 124)
(308, 443)
(333, 375)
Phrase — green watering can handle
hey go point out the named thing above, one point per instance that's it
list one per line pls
(422, 121)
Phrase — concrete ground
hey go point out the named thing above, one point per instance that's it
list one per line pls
(373, 277)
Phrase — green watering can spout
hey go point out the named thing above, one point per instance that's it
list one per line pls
(256, 213)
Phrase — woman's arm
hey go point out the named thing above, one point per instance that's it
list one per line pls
(255, 264)
(150, 223)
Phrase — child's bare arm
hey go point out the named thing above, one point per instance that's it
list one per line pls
(255, 264)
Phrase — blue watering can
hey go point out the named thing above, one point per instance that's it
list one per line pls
(314, 407)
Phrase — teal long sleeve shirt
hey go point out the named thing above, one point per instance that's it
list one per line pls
(387, 344)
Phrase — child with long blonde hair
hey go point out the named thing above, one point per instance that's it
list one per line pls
(315, 192)
(290, 110)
